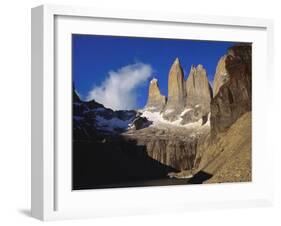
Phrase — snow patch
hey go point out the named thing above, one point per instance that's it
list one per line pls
(157, 119)
(154, 80)
(169, 111)
(149, 109)
(185, 111)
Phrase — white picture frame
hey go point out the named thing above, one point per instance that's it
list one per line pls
(52, 197)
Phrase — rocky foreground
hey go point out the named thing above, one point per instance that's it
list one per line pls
(195, 132)
(228, 156)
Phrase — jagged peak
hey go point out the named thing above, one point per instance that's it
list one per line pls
(154, 87)
(154, 80)
(192, 69)
(200, 66)
(156, 101)
(176, 61)
(223, 57)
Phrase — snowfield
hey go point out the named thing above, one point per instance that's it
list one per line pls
(113, 123)
(116, 124)
(157, 119)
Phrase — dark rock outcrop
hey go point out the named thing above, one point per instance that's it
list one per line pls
(234, 97)
(140, 123)
(156, 101)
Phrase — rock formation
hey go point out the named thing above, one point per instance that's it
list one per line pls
(176, 91)
(188, 101)
(234, 96)
(198, 96)
(172, 146)
(140, 123)
(221, 75)
(198, 89)
(156, 101)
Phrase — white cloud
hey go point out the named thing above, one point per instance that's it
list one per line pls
(118, 91)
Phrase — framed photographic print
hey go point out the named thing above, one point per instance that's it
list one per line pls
(137, 112)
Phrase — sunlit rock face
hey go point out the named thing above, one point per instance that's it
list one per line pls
(198, 90)
(188, 101)
(221, 75)
(176, 92)
(156, 101)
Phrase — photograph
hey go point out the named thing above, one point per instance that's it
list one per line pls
(152, 111)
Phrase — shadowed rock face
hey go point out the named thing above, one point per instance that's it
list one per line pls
(234, 96)
(198, 90)
(221, 75)
(156, 101)
(173, 147)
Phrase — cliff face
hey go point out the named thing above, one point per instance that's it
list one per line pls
(188, 101)
(199, 91)
(176, 89)
(156, 101)
(234, 96)
(225, 153)
(176, 92)
(174, 147)
(221, 75)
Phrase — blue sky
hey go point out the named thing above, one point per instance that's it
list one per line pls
(98, 59)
